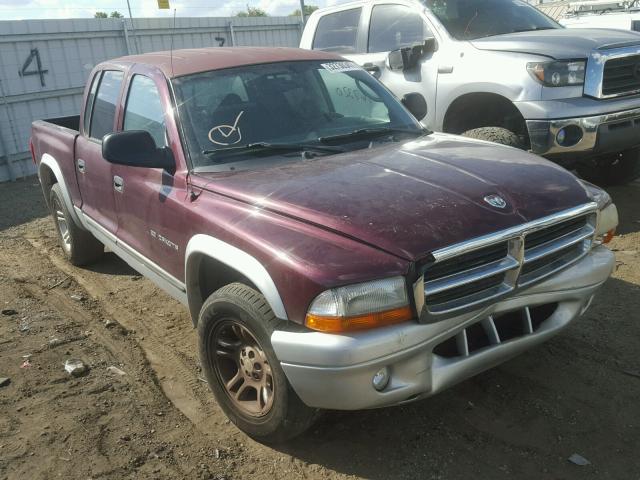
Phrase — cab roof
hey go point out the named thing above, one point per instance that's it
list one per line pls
(195, 60)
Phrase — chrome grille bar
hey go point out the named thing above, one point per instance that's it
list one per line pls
(555, 242)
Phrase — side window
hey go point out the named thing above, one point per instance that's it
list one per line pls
(338, 32)
(395, 26)
(89, 106)
(104, 108)
(635, 25)
(353, 99)
(144, 110)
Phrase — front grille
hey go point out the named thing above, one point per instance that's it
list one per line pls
(494, 330)
(621, 76)
(469, 277)
(548, 250)
(495, 266)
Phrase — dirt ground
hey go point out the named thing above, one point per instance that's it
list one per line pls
(579, 393)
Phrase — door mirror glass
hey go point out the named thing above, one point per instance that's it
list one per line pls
(136, 148)
(416, 104)
(407, 58)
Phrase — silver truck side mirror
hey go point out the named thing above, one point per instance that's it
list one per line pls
(407, 58)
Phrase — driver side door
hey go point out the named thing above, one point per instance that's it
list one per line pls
(392, 26)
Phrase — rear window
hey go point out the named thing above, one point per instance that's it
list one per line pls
(338, 32)
(104, 108)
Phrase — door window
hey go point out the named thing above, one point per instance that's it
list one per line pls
(338, 32)
(395, 26)
(144, 109)
(89, 106)
(104, 108)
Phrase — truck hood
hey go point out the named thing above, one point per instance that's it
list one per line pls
(562, 43)
(409, 198)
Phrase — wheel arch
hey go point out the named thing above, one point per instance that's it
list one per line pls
(211, 263)
(49, 173)
(483, 109)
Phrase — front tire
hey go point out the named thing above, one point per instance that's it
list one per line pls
(616, 169)
(238, 361)
(78, 245)
(495, 134)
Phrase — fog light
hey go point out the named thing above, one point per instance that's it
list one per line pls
(568, 136)
(381, 379)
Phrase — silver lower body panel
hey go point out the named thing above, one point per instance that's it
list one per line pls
(335, 371)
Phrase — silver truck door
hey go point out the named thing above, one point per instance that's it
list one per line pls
(392, 26)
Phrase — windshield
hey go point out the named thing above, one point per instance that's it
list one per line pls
(472, 19)
(262, 111)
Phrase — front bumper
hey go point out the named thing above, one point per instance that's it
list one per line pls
(335, 371)
(593, 135)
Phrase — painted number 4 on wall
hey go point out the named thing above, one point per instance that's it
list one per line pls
(25, 71)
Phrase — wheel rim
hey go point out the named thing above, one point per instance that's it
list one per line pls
(242, 368)
(62, 224)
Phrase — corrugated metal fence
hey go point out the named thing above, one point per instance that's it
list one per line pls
(45, 63)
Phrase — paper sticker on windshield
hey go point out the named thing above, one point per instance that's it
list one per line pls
(337, 67)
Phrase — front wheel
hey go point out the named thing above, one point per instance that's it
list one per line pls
(616, 169)
(495, 134)
(235, 327)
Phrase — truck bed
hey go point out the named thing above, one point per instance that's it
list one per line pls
(56, 137)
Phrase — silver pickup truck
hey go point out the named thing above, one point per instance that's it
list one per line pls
(501, 70)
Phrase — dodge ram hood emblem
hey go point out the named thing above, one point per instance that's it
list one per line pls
(495, 201)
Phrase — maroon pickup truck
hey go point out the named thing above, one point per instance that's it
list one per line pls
(333, 253)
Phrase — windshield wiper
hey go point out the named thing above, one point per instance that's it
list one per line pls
(258, 146)
(372, 132)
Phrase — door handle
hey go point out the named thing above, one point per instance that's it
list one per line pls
(118, 183)
(81, 165)
(445, 69)
(371, 68)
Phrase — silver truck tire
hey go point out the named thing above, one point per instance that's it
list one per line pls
(242, 370)
(617, 169)
(80, 247)
(495, 134)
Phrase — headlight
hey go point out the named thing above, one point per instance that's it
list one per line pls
(558, 74)
(607, 215)
(360, 306)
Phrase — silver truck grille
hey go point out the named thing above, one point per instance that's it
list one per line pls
(494, 330)
(478, 272)
(621, 76)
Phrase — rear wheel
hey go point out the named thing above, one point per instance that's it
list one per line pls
(78, 245)
(616, 169)
(235, 327)
(495, 134)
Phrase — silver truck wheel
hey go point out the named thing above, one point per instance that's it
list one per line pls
(78, 245)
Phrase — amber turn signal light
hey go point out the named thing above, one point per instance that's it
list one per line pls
(358, 322)
(607, 237)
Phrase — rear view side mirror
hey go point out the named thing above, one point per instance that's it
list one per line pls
(136, 148)
(416, 104)
(407, 58)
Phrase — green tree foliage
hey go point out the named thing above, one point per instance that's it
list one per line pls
(116, 15)
(252, 12)
(100, 15)
(308, 10)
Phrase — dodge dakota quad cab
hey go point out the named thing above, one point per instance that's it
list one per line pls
(333, 253)
(501, 70)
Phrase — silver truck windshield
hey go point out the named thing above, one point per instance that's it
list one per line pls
(264, 110)
(472, 19)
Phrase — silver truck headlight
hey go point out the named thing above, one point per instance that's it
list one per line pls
(360, 306)
(558, 73)
(607, 212)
